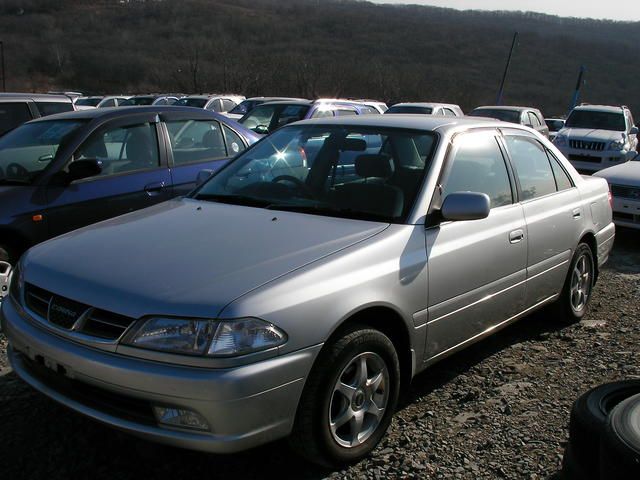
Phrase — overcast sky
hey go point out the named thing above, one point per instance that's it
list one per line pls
(628, 10)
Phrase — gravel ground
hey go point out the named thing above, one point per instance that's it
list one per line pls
(497, 410)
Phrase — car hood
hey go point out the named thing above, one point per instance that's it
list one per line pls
(591, 134)
(185, 257)
(624, 174)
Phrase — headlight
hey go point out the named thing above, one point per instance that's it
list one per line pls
(618, 144)
(560, 140)
(214, 338)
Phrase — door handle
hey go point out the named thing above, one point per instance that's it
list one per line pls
(154, 189)
(576, 213)
(516, 236)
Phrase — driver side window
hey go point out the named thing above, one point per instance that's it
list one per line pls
(122, 149)
(478, 165)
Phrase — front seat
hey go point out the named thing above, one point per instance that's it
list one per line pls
(139, 152)
(374, 195)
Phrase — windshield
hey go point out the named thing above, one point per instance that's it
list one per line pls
(192, 102)
(137, 101)
(596, 120)
(555, 125)
(409, 109)
(358, 172)
(88, 102)
(27, 150)
(269, 117)
(511, 116)
(245, 106)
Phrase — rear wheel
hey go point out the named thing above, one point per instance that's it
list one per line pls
(349, 399)
(576, 293)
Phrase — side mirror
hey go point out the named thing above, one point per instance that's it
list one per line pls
(633, 131)
(466, 206)
(203, 176)
(261, 129)
(85, 168)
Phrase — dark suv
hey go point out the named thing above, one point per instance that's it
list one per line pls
(18, 108)
(66, 171)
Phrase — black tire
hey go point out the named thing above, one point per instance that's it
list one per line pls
(312, 437)
(565, 305)
(586, 426)
(620, 442)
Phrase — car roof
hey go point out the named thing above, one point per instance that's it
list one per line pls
(36, 97)
(512, 108)
(601, 108)
(424, 104)
(114, 112)
(410, 121)
(289, 102)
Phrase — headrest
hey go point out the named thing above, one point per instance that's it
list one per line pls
(374, 165)
(211, 139)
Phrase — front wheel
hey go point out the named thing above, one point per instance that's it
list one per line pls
(578, 286)
(5, 271)
(349, 399)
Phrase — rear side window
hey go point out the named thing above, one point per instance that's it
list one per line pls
(227, 104)
(533, 120)
(195, 141)
(563, 182)
(478, 166)
(109, 103)
(13, 115)
(532, 167)
(51, 108)
(322, 113)
(345, 113)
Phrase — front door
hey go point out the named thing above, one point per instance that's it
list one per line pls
(133, 177)
(477, 269)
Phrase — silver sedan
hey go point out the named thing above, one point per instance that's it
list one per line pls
(299, 290)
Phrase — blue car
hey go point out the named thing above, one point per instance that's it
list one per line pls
(66, 171)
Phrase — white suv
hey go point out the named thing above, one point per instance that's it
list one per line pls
(598, 136)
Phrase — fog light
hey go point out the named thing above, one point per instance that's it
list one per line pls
(181, 418)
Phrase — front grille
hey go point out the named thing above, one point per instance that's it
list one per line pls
(64, 312)
(624, 191)
(584, 158)
(587, 145)
(114, 404)
(626, 217)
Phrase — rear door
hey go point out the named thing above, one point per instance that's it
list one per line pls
(134, 176)
(552, 209)
(477, 269)
(195, 144)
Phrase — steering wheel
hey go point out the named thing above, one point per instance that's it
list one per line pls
(15, 170)
(303, 187)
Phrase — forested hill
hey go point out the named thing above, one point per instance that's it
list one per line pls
(314, 48)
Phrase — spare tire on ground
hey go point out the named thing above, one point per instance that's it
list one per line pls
(620, 442)
(586, 425)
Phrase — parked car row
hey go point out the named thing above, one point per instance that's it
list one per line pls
(294, 291)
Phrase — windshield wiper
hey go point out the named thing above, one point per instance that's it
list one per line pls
(14, 181)
(330, 211)
(233, 199)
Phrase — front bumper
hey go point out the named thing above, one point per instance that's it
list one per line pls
(626, 212)
(244, 406)
(593, 161)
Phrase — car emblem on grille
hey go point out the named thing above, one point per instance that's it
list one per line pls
(65, 313)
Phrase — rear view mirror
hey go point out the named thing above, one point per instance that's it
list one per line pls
(633, 131)
(84, 168)
(203, 176)
(353, 145)
(460, 206)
